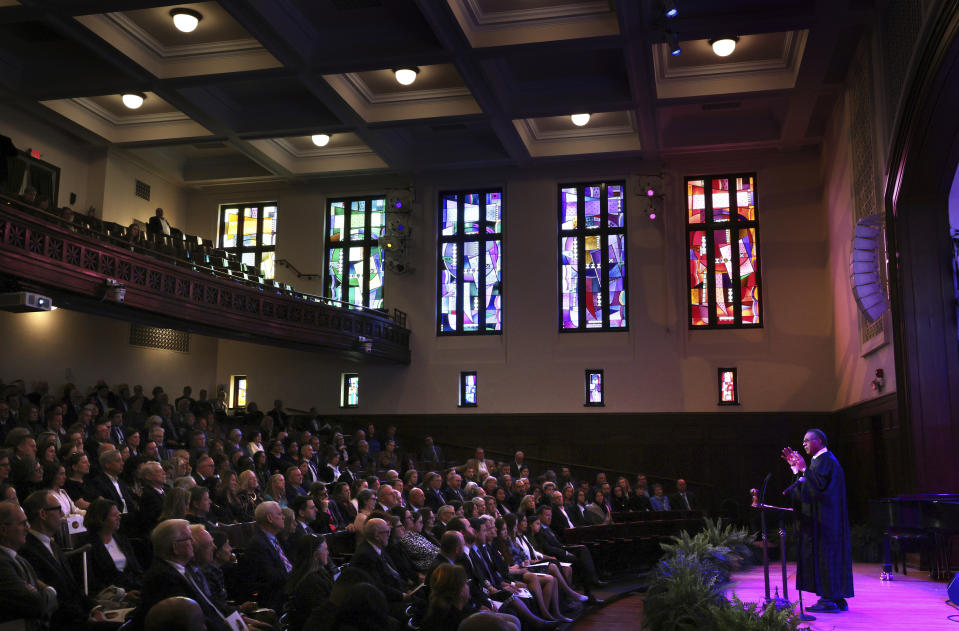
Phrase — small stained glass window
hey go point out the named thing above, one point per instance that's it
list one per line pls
(349, 390)
(728, 387)
(595, 388)
(238, 391)
(468, 389)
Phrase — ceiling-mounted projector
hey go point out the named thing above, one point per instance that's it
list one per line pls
(24, 301)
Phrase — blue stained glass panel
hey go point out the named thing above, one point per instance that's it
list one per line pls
(355, 279)
(614, 206)
(336, 274)
(494, 286)
(448, 280)
(469, 389)
(471, 213)
(449, 215)
(569, 219)
(617, 281)
(569, 290)
(376, 278)
(594, 282)
(378, 217)
(353, 390)
(494, 213)
(337, 214)
(473, 275)
(593, 207)
(595, 387)
(357, 220)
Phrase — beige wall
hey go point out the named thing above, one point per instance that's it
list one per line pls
(854, 371)
(657, 366)
(120, 203)
(70, 347)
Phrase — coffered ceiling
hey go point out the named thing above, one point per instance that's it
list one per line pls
(240, 96)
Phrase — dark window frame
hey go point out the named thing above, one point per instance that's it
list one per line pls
(581, 232)
(602, 388)
(461, 238)
(709, 226)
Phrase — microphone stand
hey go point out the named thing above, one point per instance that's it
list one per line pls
(805, 617)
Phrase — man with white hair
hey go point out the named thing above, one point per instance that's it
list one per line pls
(265, 566)
(153, 477)
(170, 576)
(22, 594)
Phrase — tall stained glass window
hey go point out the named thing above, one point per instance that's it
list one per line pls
(249, 231)
(592, 249)
(355, 267)
(468, 389)
(722, 236)
(349, 390)
(728, 387)
(595, 389)
(470, 300)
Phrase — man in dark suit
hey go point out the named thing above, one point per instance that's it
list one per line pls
(170, 575)
(265, 566)
(108, 485)
(430, 452)
(453, 490)
(294, 484)
(683, 499)
(562, 520)
(204, 473)
(579, 556)
(369, 557)
(305, 509)
(151, 498)
(22, 594)
(45, 555)
(434, 496)
(158, 224)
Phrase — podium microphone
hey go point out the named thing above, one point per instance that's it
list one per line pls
(789, 488)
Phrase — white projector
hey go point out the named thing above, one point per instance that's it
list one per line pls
(24, 301)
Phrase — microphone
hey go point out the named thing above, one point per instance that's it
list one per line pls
(789, 488)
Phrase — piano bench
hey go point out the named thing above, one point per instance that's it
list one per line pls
(900, 542)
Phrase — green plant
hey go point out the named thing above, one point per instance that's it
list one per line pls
(738, 540)
(680, 594)
(739, 616)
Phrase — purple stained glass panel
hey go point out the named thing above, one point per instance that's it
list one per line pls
(449, 210)
(617, 281)
(494, 213)
(448, 288)
(471, 213)
(473, 275)
(594, 282)
(593, 203)
(569, 272)
(614, 206)
(494, 294)
(569, 215)
(720, 199)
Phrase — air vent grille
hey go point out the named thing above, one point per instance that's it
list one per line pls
(163, 339)
(142, 190)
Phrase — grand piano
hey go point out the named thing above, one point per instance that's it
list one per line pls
(933, 519)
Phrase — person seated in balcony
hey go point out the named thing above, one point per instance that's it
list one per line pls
(658, 500)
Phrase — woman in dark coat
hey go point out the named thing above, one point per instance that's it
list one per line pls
(310, 582)
(111, 558)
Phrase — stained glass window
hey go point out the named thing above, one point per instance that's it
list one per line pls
(349, 390)
(595, 393)
(728, 387)
(249, 232)
(355, 267)
(592, 265)
(468, 389)
(238, 391)
(722, 232)
(470, 266)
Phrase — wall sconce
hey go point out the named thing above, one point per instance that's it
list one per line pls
(879, 382)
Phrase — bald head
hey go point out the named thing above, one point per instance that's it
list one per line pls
(175, 614)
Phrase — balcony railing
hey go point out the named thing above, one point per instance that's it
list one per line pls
(77, 265)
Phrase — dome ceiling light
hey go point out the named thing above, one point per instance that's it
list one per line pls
(186, 20)
(580, 119)
(724, 46)
(321, 140)
(406, 76)
(133, 100)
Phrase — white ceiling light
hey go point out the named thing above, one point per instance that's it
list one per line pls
(186, 20)
(321, 140)
(724, 46)
(579, 119)
(406, 76)
(133, 100)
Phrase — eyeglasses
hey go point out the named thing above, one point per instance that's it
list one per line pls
(57, 507)
(187, 539)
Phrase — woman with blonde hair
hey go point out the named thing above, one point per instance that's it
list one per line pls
(175, 504)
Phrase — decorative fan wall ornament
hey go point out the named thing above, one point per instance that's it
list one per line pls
(867, 284)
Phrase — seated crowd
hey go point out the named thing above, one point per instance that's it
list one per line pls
(340, 530)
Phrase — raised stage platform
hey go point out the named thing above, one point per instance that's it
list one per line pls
(912, 602)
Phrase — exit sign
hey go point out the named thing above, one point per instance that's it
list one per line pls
(35, 153)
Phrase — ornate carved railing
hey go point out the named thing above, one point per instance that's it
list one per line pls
(44, 252)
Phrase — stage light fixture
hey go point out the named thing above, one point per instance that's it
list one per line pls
(724, 46)
(669, 6)
(133, 100)
(321, 140)
(579, 119)
(186, 20)
(406, 76)
(672, 39)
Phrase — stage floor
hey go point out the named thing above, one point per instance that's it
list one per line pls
(912, 602)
